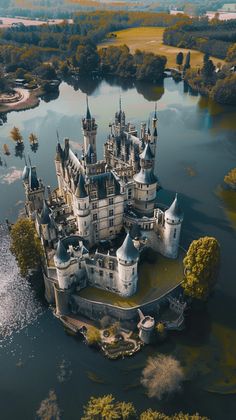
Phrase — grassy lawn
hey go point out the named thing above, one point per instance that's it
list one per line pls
(154, 280)
(149, 39)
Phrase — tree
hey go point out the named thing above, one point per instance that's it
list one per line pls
(208, 69)
(224, 92)
(156, 415)
(162, 376)
(179, 59)
(49, 408)
(33, 138)
(16, 135)
(230, 178)
(187, 61)
(93, 335)
(107, 408)
(201, 265)
(87, 58)
(26, 246)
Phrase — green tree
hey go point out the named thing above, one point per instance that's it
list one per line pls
(179, 59)
(87, 58)
(201, 266)
(16, 135)
(224, 91)
(208, 69)
(26, 246)
(187, 61)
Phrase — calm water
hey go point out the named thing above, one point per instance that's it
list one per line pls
(197, 147)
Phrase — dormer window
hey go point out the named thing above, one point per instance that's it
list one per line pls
(93, 195)
(110, 190)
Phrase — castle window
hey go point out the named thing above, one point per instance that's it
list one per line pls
(84, 223)
(111, 265)
(79, 264)
(92, 270)
(93, 195)
(175, 233)
(111, 275)
(94, 206)
(111, 212)
(129, 194)
(100, 273)
(111, 222)
(110, 190)
(133, 271)
(95, 216)
(111, 201)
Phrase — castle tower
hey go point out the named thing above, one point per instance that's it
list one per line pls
(64, 269)
(89, 129)
(145, 183)
(59, 167)
(153, 133)
(34, 190)
(81, 209)
(172, 228)
(146, 327)
(127, 256)
(47, 229)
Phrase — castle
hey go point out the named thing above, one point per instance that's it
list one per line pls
(95, 201)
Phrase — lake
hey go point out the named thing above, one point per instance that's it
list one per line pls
(196, 148)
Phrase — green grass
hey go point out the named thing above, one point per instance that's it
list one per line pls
(149, 39)
(154, 280)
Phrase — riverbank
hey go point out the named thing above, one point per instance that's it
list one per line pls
(26, 100)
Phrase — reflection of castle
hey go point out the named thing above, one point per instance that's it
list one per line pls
(94, 202)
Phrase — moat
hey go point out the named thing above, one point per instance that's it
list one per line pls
(196, 149)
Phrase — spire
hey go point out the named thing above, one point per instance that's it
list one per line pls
(25, 173)
(127, 251)
(149, 132)
(29, 160)
(174, 211)
(120, 104)
(155, 113)
(61, 255)
(45, 214)
(33, 180)
(80, 189)
(147, 153)
(88, 114)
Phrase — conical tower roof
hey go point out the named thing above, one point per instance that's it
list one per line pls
(61, 255)
(174, 211)
(33, 180)
(80, 189)
(88, 113)
(45, 214)
(147, 153)
(25, 173)
(127, 251)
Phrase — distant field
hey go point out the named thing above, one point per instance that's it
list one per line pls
(149, 39)
(7, 22)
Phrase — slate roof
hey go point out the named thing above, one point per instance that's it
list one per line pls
(33, 180)
(45, 214)
(61, 255)
(145, 176)
(80, 189)
(174, 211)
(147, 153)
(25, 173)
(127, 251)
(99, 181)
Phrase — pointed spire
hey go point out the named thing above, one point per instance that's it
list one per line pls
(29, 160)
(155, 113)
(120, 104)
(33, 179)
(45, 214)
(25, 160)
(127, 251)
(147, 153)
(61, 255)
(174, 211)
(149, 132)
(80, 189)
(88, 114)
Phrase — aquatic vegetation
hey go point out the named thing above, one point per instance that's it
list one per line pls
(95, 378)
(49, 408)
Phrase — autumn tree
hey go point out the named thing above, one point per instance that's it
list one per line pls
(16, 135)
(106, 407)
(230, 178)
(156, 415)
(26, 246)
(93, 335)
(162, 376)
(201, 266)
(33, 138)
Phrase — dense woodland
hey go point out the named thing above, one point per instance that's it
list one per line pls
(214, 38)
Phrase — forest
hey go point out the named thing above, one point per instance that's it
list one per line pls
(213, 38)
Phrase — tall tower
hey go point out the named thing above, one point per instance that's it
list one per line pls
(127, 256)
(59, 167)
(145, 183)
(81, 209)
(89, 129)
(34, 190)
(153, 133)
(172, 228)
(120, 118)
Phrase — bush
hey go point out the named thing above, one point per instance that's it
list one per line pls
(230, 178)
(93, 335)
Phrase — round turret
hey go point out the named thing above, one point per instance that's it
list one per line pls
(62, 257)
(172, 229)
(127, 256)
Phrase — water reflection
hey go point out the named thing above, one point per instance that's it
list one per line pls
(19, 306)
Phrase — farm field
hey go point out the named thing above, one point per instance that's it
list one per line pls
(149, 39)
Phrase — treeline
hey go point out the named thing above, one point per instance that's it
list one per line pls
(214, 38)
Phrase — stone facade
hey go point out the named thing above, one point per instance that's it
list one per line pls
(94, 202)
